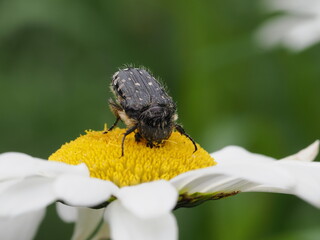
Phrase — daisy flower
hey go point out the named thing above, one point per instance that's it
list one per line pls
(297, 28)
(132, 197)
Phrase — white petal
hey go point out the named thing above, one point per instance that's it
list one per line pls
(237, 155)
(149, 200)
(275, 30)
(83, 191)
(308, 154)
(126, 226)
(295, 7)
(67, 213)
(28, 195)
(234, 155)
(303, 35)
(21, 227)
(307, 179)
(296, 29)
(87, 220)
(219, 183)
(4, 185)
(293, 175)
(234, 177)
(87, 223)
(103, 232)
(19, 165)
(240, 170)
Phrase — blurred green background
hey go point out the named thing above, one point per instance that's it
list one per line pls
(57, 59)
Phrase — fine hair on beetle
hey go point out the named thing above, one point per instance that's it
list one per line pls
(145, 107)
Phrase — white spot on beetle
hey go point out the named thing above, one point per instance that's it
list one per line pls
(149, 77)
(140, 99)
(121, 86)
(150, 83)
(123, 80)
(126, 69)
(163, 97)
(115, 75)
(129, 79)
(131, 72)
(137, 84)
(141, 72)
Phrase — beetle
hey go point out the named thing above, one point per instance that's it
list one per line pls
(142, 103)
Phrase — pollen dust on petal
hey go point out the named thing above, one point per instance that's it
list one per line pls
(102, 155)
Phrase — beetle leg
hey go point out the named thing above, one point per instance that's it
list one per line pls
(115, 108)
(138, 137)
(183, 132)
(150, 144)
(130, 130)
(113, 125)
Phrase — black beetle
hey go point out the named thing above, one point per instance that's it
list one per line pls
(144, 106)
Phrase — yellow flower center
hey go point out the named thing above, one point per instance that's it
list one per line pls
(102, 155)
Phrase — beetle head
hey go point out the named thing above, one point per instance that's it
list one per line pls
(156, 123)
